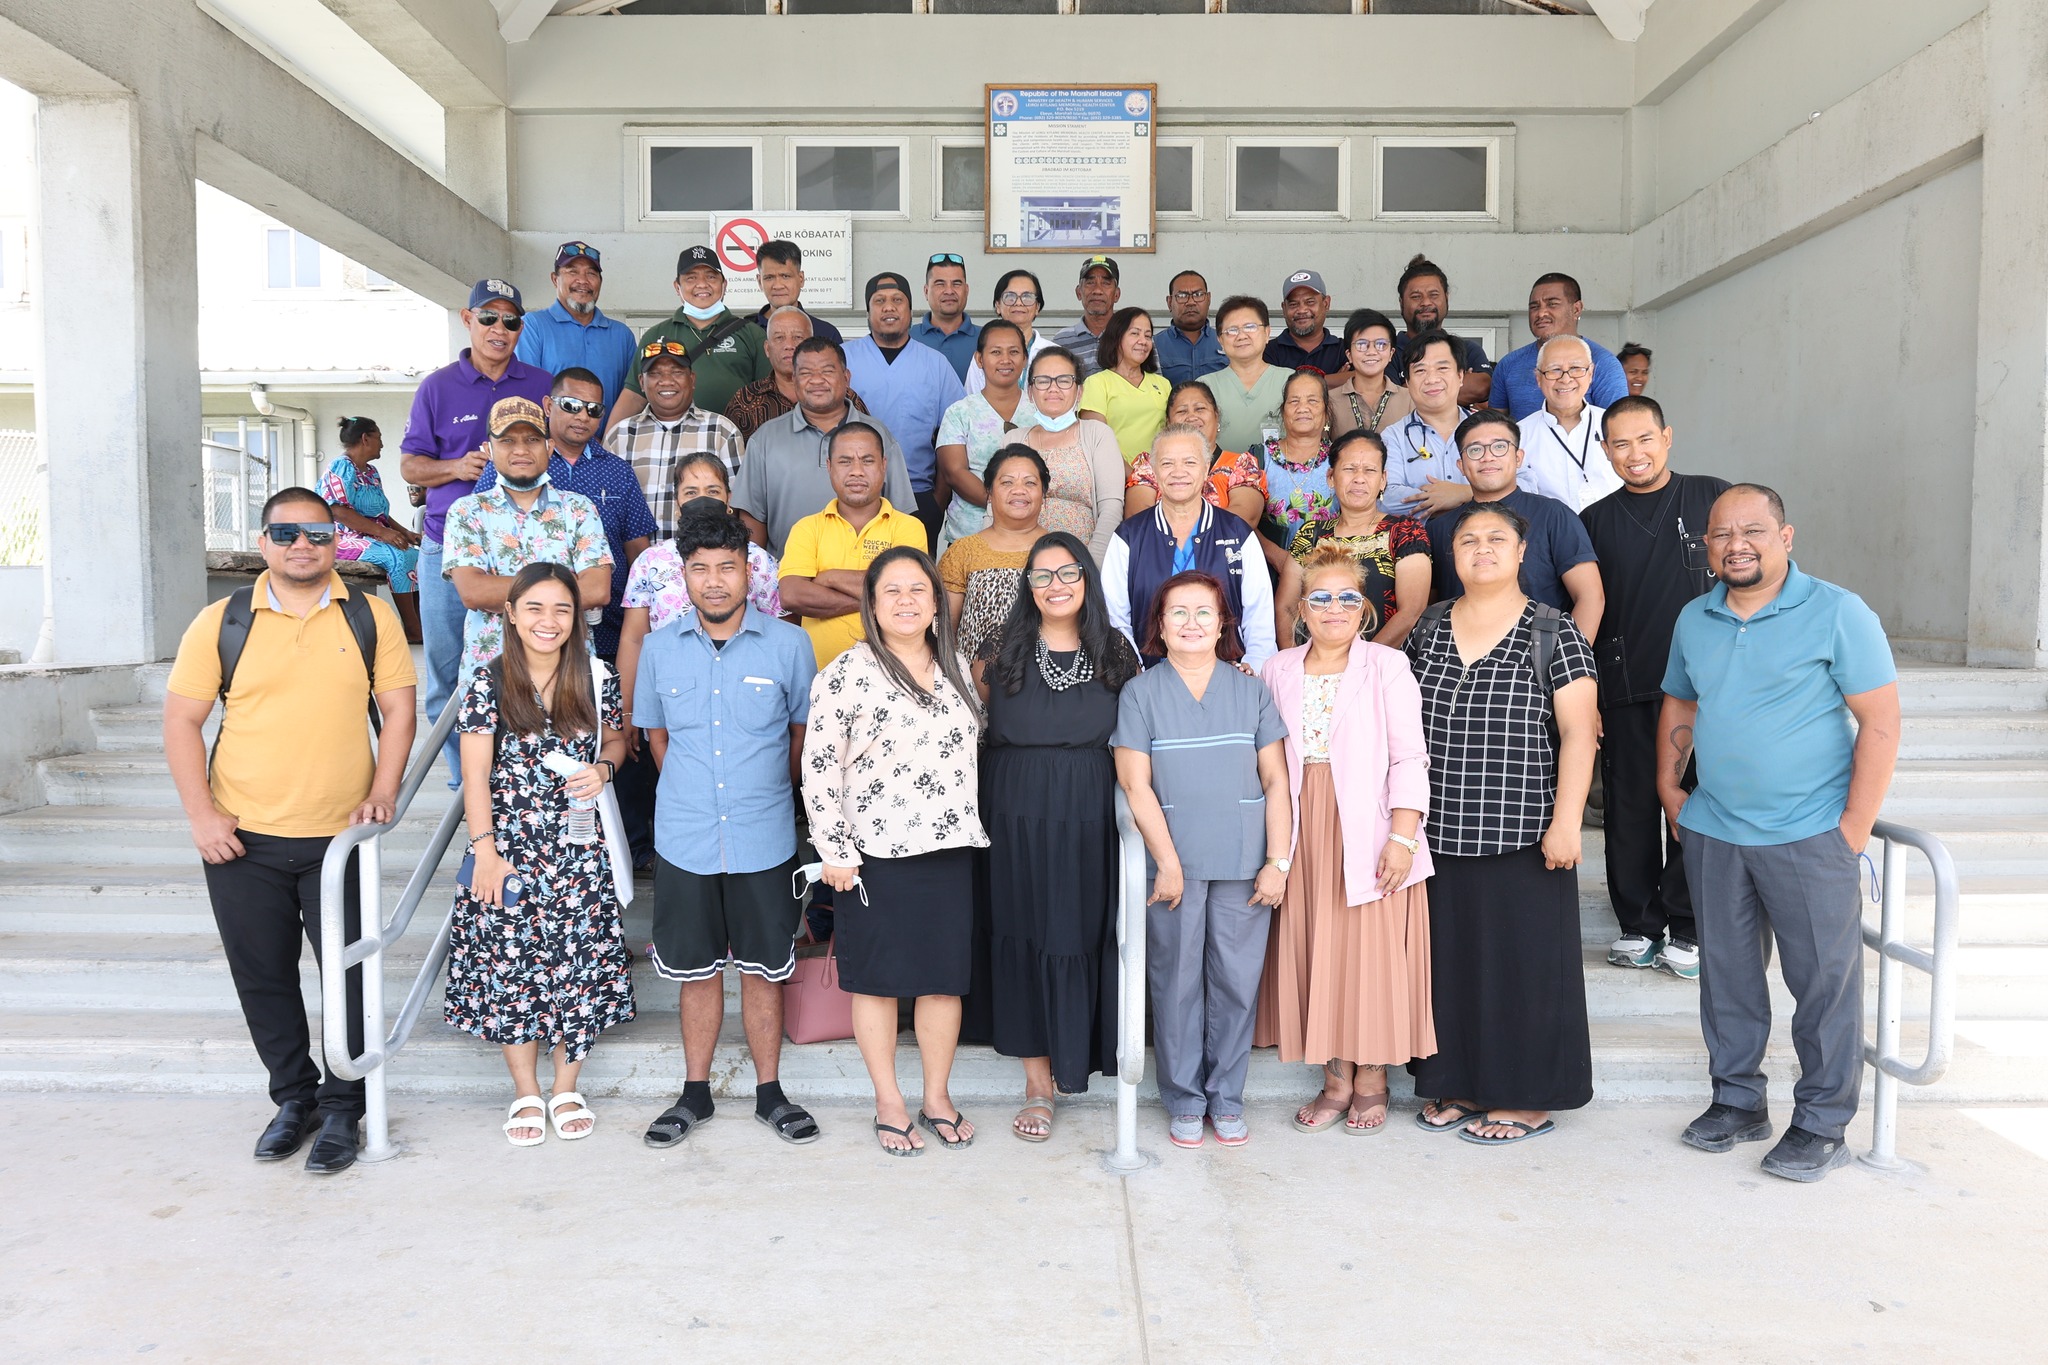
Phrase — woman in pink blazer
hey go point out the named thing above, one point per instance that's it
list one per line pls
(1347, 962)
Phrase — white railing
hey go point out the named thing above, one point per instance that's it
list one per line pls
(1894, 954)
(1131, 916)
(23, 521)
(235, 482)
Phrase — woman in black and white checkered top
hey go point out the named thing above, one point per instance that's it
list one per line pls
(1510, 758)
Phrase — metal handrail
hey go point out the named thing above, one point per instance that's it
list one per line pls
(1131, 916)
(337, 954)
(1894, 953)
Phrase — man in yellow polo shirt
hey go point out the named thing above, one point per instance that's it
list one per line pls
(826, 554)
(293, 767)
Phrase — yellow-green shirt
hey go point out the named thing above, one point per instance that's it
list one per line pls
(1135, 411)
(294, 757)
(826, 540)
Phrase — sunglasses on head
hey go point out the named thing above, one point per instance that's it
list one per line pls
(947, 258)
(576, 407)
(288, 532)
(492, 317)
(658, 348)
(1065, 573)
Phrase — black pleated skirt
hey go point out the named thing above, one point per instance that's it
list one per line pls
(913, 935)
(1051, 903)
(1510, 986)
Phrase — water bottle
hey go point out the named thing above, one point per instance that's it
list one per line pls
(580, 825)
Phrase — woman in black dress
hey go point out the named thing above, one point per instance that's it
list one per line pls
(1510, 758)
(1051, 680)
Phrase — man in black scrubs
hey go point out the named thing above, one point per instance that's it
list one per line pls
(1653, 560)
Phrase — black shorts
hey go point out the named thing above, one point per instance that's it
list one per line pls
(703, 923)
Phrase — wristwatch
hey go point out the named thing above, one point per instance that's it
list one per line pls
(1284, 864)
(1412, 845)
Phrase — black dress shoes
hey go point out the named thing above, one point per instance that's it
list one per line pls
(335, 1149)
(287, 1132)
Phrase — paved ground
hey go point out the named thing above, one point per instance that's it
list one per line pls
(141, 1227)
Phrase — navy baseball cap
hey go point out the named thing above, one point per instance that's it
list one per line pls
(495, 291)
(569, 251)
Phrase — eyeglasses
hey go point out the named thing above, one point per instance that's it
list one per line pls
(1322, 599)
(1245, 329)
(491, 317)
(1372, 345)
(288, 532)
(1556, 372)
(1201, 616)
(1189, 295)
(947, 258)
(1042, 578)
(674, 348)
(1499, 449)
(576, 407)
(1017, 300)
(1062, 382)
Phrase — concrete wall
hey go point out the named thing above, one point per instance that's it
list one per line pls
(49, 712)
(1842, 372)
(21, 607)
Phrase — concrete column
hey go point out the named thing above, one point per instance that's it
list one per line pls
(117, 389)
(2009, 472)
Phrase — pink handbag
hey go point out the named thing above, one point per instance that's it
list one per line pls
(814, 1008)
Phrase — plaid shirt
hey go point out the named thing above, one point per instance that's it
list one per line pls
(761, 402)
(653, 449)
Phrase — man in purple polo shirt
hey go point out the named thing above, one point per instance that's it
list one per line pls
(443, 452)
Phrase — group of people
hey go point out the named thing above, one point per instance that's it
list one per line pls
(1349, 619)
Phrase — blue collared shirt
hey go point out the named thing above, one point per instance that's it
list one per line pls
(553, 340)
(608, 481)
(724, 803)
(1516, 393)
(909, 395)
(1773, 738)
(1181, 360)
(1415, 455)
(957, 346)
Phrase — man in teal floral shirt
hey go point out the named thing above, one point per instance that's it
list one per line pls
(492, 535)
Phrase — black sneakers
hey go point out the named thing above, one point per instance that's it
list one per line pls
(1805, 1157)
(1723, 1125)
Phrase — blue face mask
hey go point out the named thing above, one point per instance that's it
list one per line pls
(1061, 422)
(517, 487)
(696, 314)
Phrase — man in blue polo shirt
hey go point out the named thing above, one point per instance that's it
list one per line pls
(1766, 671)
(1190, 348)
(723, 695)
(572, 332)
(946, 328)
(1554, 310)
(444, 453)
(906, 386)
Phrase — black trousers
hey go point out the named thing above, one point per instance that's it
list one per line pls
(933, 515)
(266, 902)
(634, 786)
(1645, 871)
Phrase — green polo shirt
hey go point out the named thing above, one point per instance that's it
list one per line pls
(1773, 739)
(736, 361)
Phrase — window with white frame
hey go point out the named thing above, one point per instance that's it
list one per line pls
(961, 188)
(293, 259)
(1436, 177)
(850, 176)
(1177, 179)
(1290, 178)
(693, 176)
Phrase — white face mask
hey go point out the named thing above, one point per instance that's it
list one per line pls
(696, 314)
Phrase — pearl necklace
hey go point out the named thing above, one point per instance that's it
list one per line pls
(1058, 678)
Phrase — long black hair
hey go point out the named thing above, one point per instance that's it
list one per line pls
(1115, 662)
(938, 635)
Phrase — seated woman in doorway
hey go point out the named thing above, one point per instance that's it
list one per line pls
(542, 962)
(362, 515)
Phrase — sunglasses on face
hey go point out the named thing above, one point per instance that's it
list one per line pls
(1043, 578)
(1322, 599)
(947, 258)
(288, 532)
(491, 317)
(576, 407)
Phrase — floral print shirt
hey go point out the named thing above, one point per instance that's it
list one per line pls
(359, 490)
(488, 531)
(885, 775)
(1296, 493)
(657, 584)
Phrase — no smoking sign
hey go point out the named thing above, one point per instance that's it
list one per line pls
(826, 240)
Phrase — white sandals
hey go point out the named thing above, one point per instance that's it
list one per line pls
(515, 1121)
(573, 1102)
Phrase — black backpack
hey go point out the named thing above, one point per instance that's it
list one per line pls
(1543, 631)
(240, 618)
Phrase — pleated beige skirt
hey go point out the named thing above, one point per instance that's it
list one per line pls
(1343, 982)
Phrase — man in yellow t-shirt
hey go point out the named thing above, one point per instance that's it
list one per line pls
(293, 768)
(826, 554)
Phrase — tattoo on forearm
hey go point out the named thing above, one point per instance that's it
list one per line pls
(1681, 750)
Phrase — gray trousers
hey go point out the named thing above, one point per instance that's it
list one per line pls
(1806, 895)
(1202, 962)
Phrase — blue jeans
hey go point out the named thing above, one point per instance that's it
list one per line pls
(442, 616)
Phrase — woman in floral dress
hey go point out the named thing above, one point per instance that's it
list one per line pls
(549, 970)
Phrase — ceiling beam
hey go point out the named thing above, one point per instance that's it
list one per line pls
(1624, 18)
(522, 19)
